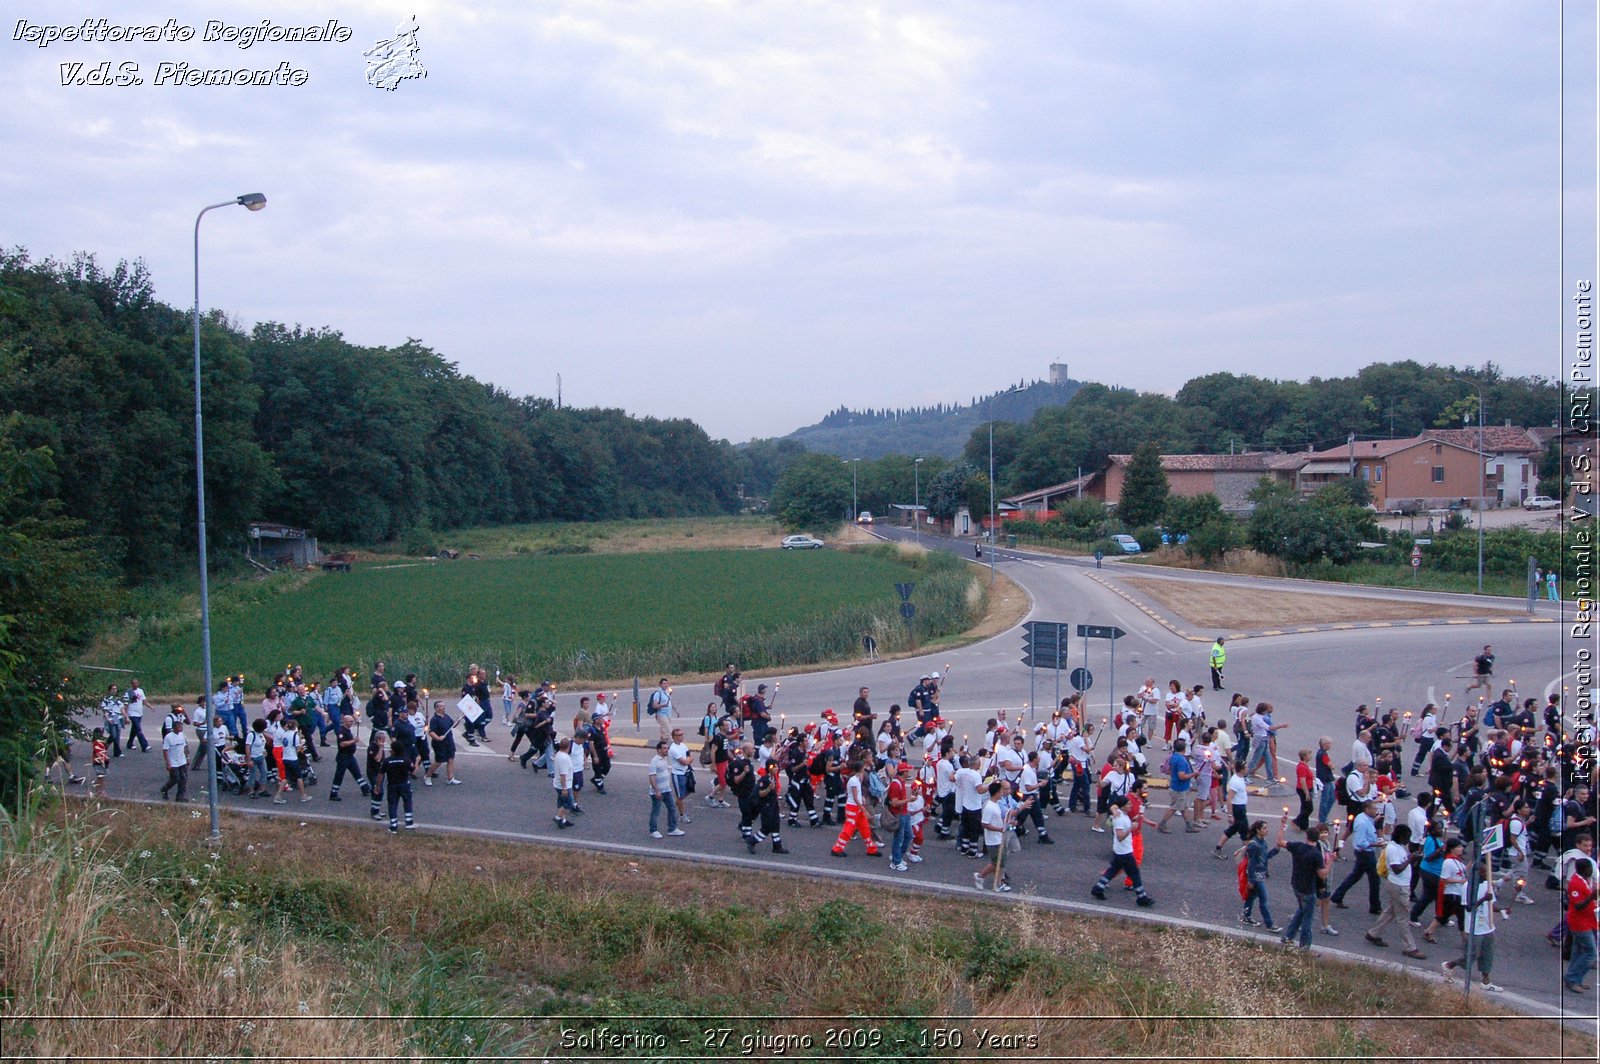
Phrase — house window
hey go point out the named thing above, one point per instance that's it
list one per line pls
(1524, 474)
(1377, 474)
(1366, 472)
(1438, 474)
(1438, 448)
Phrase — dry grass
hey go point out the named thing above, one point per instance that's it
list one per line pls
(1229, 608)
(545, 929)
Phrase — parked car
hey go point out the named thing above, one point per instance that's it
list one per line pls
(801, 542)
(1541, 502)
(864, 517)
(1128, 544)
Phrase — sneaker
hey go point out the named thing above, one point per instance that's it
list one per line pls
(913, 858)
(712, 802)
(564, 824)
(1144, 901)
(676, 832)
(1274, 929)
(1331, 931)
(977, 881)
(334, 798)
(1524, 899)
(1097, 829)
(427, 781)
(655, 834)
(1249, 921)
(453, 783)
(901, 867)
(304, 799)
(1099, 892)
(74, 779)
(1414, 923)
(1046, 840)
(394, 831)
(683, 818)
(1218, 854)
(411, 827)
(1490, 987)
(280, 801)
(1003, 888)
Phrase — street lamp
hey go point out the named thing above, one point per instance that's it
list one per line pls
(252, 201)
(916, 503)
(1466, 419)
(854, 464)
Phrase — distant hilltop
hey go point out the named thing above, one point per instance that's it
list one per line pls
(940, 430)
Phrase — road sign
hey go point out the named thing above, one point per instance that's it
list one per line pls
(1416, 562)
(1420, 543)
(1100, 631)
(907, 610)
(1081, 679)
(1493, 839)
(904, 590)
(1044, 644)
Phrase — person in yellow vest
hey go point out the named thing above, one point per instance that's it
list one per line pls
(1219, 658)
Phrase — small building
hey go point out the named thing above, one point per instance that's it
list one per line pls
(1043, 501)
(272, 544)
(1511, 460)
(1230, 477)
(1418, 472)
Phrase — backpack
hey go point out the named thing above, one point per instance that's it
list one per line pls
(1416, 730)
(719, 688)
(1341, 789)
(1383, 861)
(746, 707)
(875, 785)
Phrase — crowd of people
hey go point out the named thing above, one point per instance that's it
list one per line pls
(902, 781)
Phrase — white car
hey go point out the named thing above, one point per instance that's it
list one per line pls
(1541, 502)
(801, 543)
(1128, 544)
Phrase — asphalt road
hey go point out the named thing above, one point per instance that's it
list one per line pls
(1314, 680)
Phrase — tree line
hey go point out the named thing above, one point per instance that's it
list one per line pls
(360, 444)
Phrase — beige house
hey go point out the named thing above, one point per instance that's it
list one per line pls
(1418, 472)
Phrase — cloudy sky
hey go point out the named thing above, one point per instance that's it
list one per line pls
(748, 213)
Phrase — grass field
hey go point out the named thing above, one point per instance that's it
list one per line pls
(564, 617)
(594, 537)
(341, 943)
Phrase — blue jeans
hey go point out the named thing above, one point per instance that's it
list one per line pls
(1325, 803)
(902, 840)
(1305, 907)
(1583, 956)
(1258, 893)
(656, 802)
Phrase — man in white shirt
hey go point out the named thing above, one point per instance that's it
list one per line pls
(1395, 890)
(562, 780)
(994, 838)
(1150, 705)
(1080, 764)
(661, 792)
(678, 754)
(289, 740)
(1122, 861)
(944, 792)
(135, 713)
(175, 749)
(969, 803)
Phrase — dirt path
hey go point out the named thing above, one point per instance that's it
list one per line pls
(1232, 608)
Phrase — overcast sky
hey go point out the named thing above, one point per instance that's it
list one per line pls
(748, 213)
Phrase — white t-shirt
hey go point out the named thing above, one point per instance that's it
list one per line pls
(967, 782)
(1417, 821)
(852, 793)
(1120, 823)
(944, 777)
(136, 702)
(1238, 790)
(676, 752)
(1359, 754)
(1008, 763)
(1480, 918)
(1117, 783)
(1029, 781)
(1395, 853)
(290, 741)
(256, 743)
(175, 749)
(562, 763)
(1454, 868)
(993, 816)
(1077, 751)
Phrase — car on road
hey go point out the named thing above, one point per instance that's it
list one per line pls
(801, 543)
(864, 517)
(1127, 543)
(1541, 502)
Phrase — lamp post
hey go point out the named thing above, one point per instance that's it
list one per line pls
(854, 464)
(252, 201)
(916, 503)
(1482, 488)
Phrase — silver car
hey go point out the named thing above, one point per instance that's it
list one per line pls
(801, 542)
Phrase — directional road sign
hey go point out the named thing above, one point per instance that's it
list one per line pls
(1100, 631)
(1044, 644)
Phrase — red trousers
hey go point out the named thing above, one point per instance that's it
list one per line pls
(855, 823)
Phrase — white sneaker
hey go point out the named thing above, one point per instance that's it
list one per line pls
(1491, 987)
(1004, 888)
(1524, 899)
(901, 867)
(655, 834)
(977, 880)
(913, 858)
(677, 831)
(683, 818)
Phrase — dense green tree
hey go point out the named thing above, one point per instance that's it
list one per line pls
(1144, 489)
(957, 486)
(1212, 540)
(1185, 513)
(813, 494)
(53, 594)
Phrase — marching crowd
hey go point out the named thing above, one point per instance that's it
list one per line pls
(901, 781)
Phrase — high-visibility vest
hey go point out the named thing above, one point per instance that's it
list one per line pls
(1219, 656)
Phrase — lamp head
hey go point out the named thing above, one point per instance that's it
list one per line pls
(253, 200)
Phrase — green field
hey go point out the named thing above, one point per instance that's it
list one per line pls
(564, 617)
